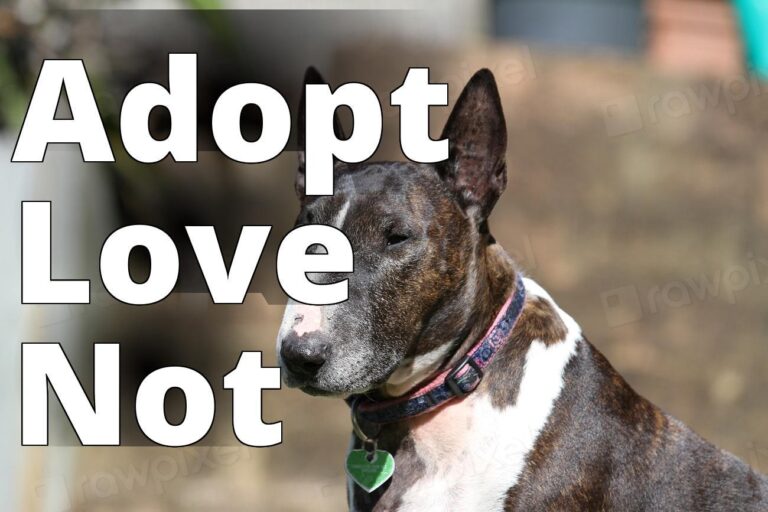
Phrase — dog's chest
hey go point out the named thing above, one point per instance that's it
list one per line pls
(469, 458)
(470, 453)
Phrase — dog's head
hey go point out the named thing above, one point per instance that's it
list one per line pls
(418, 233)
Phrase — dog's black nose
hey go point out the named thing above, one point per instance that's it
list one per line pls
(303, 355)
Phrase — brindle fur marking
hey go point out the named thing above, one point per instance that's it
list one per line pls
(607, 448)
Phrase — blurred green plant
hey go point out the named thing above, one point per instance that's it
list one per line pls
(211, 12)
(12, 96)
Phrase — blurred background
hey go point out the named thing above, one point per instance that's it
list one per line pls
(638, 196)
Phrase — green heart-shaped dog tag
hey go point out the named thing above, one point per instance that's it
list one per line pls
(370, 475)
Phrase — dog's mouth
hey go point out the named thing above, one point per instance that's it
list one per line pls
(293, 381)
(329, 382)
(314, 388)
(311, 390)
(309, 386)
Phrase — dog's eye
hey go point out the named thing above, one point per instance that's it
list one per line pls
(396, 238)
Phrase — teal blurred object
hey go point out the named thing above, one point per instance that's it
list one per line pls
(753, 15)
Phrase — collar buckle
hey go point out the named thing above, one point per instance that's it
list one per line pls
(453, 383)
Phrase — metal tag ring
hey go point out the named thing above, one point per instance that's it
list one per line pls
(368, 442)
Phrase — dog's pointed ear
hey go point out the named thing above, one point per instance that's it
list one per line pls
(311, 76)
(476, 168)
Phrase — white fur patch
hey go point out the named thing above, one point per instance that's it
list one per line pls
(301, 319)
(415, 369)
(341, 215)
(474, 452)
(307, 319)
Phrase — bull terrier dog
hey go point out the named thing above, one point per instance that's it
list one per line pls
(470, 388)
